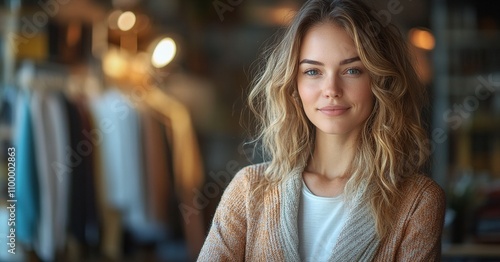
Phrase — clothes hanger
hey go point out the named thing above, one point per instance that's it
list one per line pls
(41, 76)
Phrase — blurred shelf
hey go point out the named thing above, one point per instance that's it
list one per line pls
(462, 85)
(474, 39)
(467, 103)
(472, 251)
(486, 122)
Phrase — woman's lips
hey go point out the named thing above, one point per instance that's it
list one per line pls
(334, 110)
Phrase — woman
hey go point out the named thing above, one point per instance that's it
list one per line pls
(339, 106)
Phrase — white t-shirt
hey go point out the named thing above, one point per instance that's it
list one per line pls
(320, 220)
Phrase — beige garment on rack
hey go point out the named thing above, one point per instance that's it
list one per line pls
(187, 162)
(110, 216)
(157, 176)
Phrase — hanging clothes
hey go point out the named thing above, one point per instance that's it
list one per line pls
(111, 221)
(187, 163)
(98, 169)
(83, 215)
(51, 139)
(119, 123)
(157, 169)
(161, 194)
(9, 136)
(27, 174)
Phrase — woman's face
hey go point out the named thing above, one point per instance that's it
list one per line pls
(333, 83)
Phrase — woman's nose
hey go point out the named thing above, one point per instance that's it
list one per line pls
(331, 88)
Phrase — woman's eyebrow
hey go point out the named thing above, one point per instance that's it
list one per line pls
(343, 62)
(312, 62)
(349, 60)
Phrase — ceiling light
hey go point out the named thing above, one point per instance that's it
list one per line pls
(163, 53)
(126, 21)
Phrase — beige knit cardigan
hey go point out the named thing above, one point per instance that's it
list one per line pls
(263, 227)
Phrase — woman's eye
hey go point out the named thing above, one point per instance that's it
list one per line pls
(312, 72)
(353, 71)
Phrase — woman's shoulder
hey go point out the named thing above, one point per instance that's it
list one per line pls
(423, 186)
(251, 173)
(244, 185)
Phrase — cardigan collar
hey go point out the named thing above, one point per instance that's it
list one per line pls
(290, 197)
(357, 241)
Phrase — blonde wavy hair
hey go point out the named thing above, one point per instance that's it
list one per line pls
(392, 144)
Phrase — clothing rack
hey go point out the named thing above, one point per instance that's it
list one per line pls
(8, 27)
(45, 75)
(94, 189)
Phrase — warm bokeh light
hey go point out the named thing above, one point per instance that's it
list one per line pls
(115, 64)
(139, 66)
(282, 15)
(272, 15)
(422, 38)
(126, 21)
(113, 19)
(163, 53)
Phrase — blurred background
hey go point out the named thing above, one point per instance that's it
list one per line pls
(121, 121)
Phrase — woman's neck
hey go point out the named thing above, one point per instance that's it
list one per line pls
(327, 171)
(332, 155)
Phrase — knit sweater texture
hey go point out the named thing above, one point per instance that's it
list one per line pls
(263, 226)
